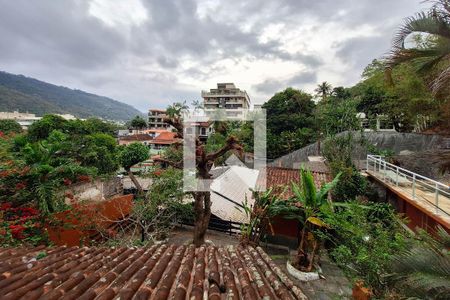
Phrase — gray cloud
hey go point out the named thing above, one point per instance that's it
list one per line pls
(172, 54)
(272, 85)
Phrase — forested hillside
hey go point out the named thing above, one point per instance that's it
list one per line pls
(18, 92)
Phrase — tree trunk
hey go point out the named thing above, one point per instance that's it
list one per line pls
(202, 211)
(136, 183)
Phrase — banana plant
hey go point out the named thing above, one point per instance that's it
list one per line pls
(311, 201)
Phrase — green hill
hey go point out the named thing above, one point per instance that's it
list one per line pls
(18, 92)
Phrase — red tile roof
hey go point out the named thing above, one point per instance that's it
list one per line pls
(165, 138)
(160, 272)
(279, 178)
(136, 137)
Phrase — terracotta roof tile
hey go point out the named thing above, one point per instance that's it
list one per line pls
(165, 138)
(136, 137)
(160, 272)
(279, 178)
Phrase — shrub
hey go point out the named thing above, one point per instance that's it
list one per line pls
(364, 239)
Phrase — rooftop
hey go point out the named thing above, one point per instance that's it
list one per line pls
(277, 177)
(136, 137)
(165, 138)
(157, 272)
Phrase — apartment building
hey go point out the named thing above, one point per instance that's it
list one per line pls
(226, 95)
(156, 119)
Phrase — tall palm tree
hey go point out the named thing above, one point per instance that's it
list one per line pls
(432, 58)
(323, 89)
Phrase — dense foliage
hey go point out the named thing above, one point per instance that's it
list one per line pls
(54, 153)
(364, 240)
(10, 126)
(338, 150)
(138, 123)
(290, 121)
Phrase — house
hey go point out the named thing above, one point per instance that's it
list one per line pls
(160, 271)
(135, 138)
(163, 140)
(201, 129)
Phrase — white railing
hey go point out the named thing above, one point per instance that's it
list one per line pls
(434, 192)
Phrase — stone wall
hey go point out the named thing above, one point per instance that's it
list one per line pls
(394, 141)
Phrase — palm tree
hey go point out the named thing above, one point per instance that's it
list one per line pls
(424, 271)
(312, 201)
(323, 89)
(432, 58)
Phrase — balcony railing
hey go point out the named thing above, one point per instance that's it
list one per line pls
(415, 185)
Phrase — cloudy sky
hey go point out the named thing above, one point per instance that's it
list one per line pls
(152, 53)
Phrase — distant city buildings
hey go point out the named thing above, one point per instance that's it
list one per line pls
(26, 119)
(227, 96)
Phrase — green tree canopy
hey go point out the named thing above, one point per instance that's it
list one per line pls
(10, 126)
(132, 154)
(138, 122)
(290, 120)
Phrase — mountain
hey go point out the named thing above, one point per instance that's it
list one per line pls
(25, 94)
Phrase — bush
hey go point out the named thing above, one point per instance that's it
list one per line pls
(20, 225)
(10, 126)
(364, 239)
(338, 152)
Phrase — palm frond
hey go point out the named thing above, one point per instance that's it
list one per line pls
(441, 82)
(424, 22)
(423, 272)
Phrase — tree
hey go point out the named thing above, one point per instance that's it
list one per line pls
(10, 126)
(290, 114)
(323, 89)
(41, 129)
(138, 123)
(431, 58)
(337, 116)
(99, 150)
(131, 155)
(204, 162)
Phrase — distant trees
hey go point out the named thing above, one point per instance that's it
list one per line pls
(323, 90)
(138, 123)
(42, 128)
(10, 126)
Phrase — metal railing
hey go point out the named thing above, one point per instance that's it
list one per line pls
(436, 193)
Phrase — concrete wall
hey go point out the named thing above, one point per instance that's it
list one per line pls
(384, 140)
(97, 190)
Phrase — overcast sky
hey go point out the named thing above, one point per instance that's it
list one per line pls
(152, 53)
